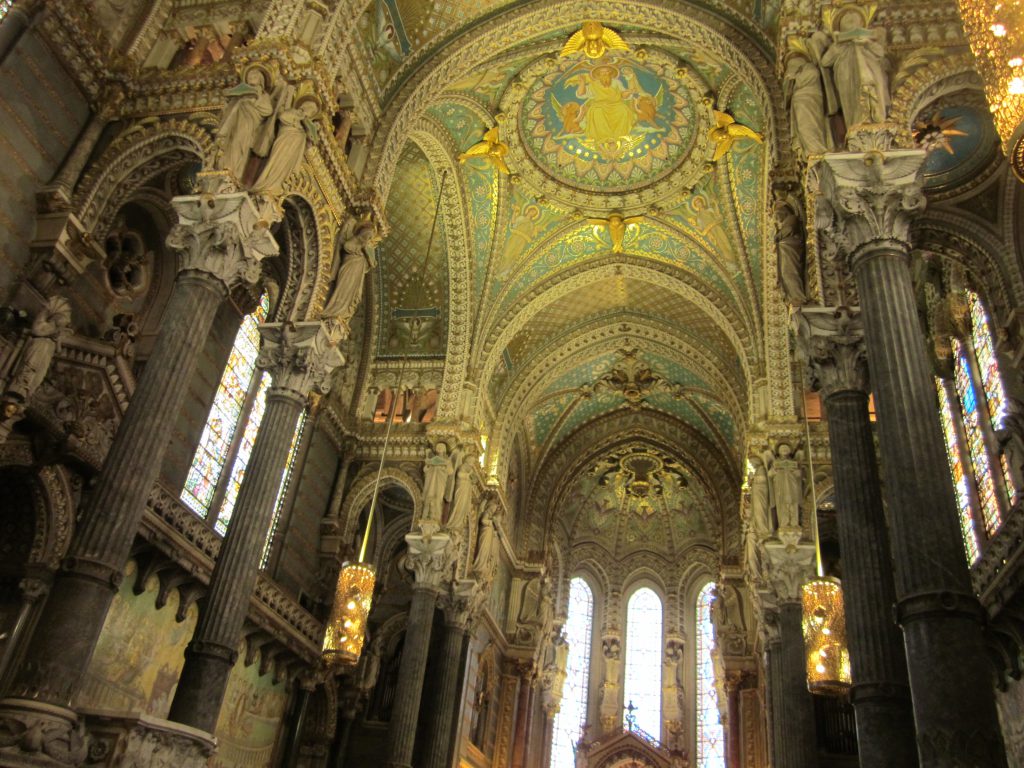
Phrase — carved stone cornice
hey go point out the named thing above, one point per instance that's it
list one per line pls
(789, 565)
(866, 201)
(223, 234)
(830, 342)
(430, 558)
(300, 357)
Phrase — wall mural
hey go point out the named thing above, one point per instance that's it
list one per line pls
(128, 672)
(250, 718)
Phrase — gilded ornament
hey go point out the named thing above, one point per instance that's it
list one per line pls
(594, 40)
(727, 132)
(491, 149)
(616, 224)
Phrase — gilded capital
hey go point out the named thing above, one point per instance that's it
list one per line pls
(830, 342)
(300, 357)
(866, 201)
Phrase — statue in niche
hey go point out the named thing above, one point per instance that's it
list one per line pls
(49, 328)
(295, 126)
(248, 107)
(371, 665)
(785, 485)
(538, 607)
(553, 673)
(438, 482)
(486, 560)
(856, 57)
(804, 91)
(462, 497)
(1011, 442)
(359, 255)
(759, 498)
(789, 243)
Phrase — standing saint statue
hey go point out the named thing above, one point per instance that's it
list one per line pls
(248, 108)
(785, 478)
(357, 257)
(438, 473)
(486, 560)
(804, 91)
(791, 249)
(295, 126)
(462, 497)
(857, 59)
(48, 329)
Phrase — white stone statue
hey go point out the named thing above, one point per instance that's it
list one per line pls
(1011, 443)
(295, 126)
(857, 59)
(438, 479)
(357, 257)
(612, 648)
(804, 92)
(248, 108)
(785, 479)
(760, 502)
(462, 497)
(50, 326)
(789, 243)
(486, 560)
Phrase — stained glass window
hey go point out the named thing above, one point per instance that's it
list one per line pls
(242, 455)
(956, 468)
(286, 481)
(643, 661)
(5, 6)
(975, 439)
(710, 734)
(568, 725)
(229, 404)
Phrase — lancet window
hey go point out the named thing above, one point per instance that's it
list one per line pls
(240, 401)
(973, 408)
(572, 715)
(710, 734)
(642, 690)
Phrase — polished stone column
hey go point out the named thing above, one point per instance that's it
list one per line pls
(773, 677)
(831, 341)
(790, 564)
(734, 733)
(445, 710)
(299, 358)
(430, 558)
(222, 240)
(870, 199)
(524, 711)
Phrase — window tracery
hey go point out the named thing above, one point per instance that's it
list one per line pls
(578, 630)
(642, 688)
(710, 734)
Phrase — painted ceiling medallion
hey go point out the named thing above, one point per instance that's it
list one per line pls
(607, 133)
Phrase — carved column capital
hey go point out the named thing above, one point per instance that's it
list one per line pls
(223, 234)
(430, 558)
(789, 566)
(300, 357)
(830, 342)
(866, 200)
(464, 603)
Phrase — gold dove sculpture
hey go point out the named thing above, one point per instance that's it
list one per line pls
(727, 131)
(594, 39)
(491, 149)
(616, 225)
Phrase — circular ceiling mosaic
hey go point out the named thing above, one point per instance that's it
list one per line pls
(608, 132)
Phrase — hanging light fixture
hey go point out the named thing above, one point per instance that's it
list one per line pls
(345, 631)
(995, 31)
(824, 619)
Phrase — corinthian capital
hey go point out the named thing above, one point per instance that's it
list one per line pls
(221, 234)
(830, 342)
(300, 357)
(789, 566)
(430, 558)
(866, 200)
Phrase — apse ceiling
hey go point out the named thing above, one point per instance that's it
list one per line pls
(611, 198)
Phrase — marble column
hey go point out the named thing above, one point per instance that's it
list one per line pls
(222, 240)
(869, 199)
(524, 711)
(790, 564)
(772, 656)
(459, 610)
(300, 358)
(831, 341)
(734, 733)
(430, 558)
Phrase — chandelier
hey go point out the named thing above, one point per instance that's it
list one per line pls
(995, 30)
(828, 660)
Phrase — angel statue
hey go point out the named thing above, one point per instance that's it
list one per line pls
(438, 482)
(785, 484)
(727, 132)
(491, 148)
(296, 126)
(248, 107)
(616, 225)
(49, 328)
(358, 249)
(595, 40)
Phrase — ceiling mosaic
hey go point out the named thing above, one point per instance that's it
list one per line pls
(637, 497)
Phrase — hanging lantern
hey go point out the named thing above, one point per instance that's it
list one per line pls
(828, 658)
(995, 31)
(346, 627)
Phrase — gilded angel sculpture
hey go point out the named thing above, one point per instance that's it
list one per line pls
(491, 148)
(616, 225)
(595, 40)
(727, 131)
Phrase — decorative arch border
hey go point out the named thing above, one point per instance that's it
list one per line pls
(362, 491)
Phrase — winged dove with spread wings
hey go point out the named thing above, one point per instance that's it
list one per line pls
(727, 131)
(594, 39)
(491, 149)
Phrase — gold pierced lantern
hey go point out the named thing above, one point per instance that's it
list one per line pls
(828, 658)
(346, 627)
(995, 30)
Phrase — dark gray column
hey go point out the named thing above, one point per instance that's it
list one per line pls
(430, 559)
(872, 198)
(773, 677)
(298, 362)
(831, 341)
(445, 708)
(220, 244)
(524, 715)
